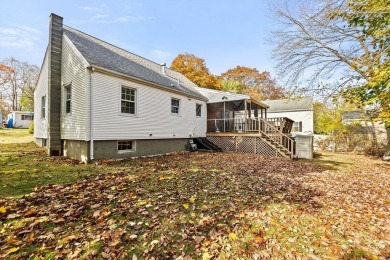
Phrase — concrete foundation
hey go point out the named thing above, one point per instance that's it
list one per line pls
(79, 150)
(41, 142)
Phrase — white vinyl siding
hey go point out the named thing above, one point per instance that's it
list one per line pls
(40, 120)
(305, 117)
(153, 118)
(74, 72)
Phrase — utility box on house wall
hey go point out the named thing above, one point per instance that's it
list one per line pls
(304, 146)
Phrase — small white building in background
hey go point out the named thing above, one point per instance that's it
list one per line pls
(20, 119)
(299, 110)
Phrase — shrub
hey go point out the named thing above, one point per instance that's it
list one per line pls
(31, 128)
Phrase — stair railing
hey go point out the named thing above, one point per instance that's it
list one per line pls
(276, 135)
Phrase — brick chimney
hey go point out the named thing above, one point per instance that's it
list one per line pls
(54, 88)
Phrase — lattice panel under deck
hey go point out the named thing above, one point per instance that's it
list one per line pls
(226, 143)
(244, 144)
(265, 149)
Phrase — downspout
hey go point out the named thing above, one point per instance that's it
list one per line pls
(90, 114)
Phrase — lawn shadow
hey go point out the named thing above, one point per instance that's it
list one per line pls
(327, 162)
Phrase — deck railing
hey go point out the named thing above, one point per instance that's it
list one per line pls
(273, 129)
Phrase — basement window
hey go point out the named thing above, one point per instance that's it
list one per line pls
(125, 146)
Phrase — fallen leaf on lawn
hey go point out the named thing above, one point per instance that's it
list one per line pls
(3, 210)
(186, 206)
(13, 250)
(259, 239)
(154, 242)
(232, 236)
(205, 256)
(192, 199)
(12, 216)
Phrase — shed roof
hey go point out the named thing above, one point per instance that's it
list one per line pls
(107, 56)
(284, 105)
(215, 96)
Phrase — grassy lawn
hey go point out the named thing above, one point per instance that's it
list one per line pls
(12, 135)
(193, 206)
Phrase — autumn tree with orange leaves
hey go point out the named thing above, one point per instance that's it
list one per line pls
(259, 85)
(194, 68)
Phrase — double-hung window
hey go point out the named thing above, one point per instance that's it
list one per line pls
(297, 126)
(68, 98)
(128, 100)
(198, 110)
(175, 106)
(43, 107)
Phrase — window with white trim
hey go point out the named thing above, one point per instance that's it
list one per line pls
(128, 100)
(68, 98)
(43, 107)
(198, 110)
(297, 126)
(125, 146)
(175, 106)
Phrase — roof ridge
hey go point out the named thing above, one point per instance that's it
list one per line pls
(156, 67)
(110, 44)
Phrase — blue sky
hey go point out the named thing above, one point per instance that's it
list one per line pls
(226, 33)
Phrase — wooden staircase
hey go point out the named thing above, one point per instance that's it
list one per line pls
(275, 138)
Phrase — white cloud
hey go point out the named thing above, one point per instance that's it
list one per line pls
(160, 55)
(90, 8)
(99, 16)
(19, 36)
(107, 19)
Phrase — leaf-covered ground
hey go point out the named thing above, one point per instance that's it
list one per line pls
(207, 206)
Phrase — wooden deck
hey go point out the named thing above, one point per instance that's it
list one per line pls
(256, 136)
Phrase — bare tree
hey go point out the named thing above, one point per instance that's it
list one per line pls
(17, 84)
(317, 44)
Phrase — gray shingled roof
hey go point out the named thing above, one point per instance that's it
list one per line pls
(283, 105)
(104, 55)
(359, 115)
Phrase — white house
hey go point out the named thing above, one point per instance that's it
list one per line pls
(20, 119)
(300, 110)
(94, 100)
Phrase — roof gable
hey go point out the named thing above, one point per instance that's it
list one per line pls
(104, 55)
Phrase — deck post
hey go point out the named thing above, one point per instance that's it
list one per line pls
(246, 115)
